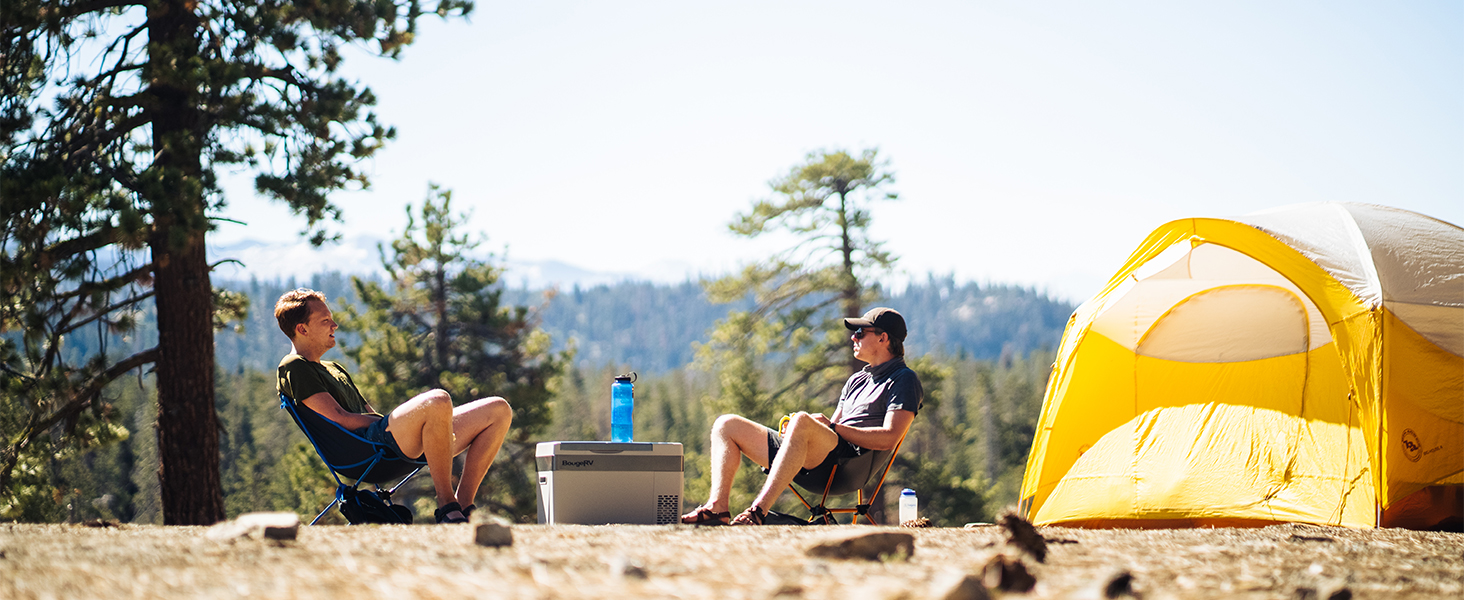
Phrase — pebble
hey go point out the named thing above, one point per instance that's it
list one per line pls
(1120, 585)
(1007, 574)
(492, 534)
(259, 525)
(625, 568)
(1323, 592)
(958, 586)
(1022, 534)
(868, 546)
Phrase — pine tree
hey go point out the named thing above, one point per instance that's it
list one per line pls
(438, 323)
(830, 271)
(115, 116)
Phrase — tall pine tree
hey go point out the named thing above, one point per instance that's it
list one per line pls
(829, 271)
(115, 116)
(438, 323)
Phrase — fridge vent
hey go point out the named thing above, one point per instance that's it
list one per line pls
(667, 507)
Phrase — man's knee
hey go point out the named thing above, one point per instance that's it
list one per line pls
(801, 425)
(436, 403)
(721, 425)
(497, 409)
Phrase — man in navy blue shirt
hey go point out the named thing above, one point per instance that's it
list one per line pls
(875, 409)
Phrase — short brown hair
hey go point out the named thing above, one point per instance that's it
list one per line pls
(293, 308)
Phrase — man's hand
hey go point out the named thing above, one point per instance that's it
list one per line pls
(822, 420)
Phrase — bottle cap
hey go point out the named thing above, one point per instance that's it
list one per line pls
(627, 378)
(907, 491)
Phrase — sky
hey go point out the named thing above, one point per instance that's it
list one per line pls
(1032, 143)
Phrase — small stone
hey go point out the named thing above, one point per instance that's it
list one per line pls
(1022, 534)
(917, 523)
(1120, 585)
(492, 534)
(869, 546)
(958, 586)
(1324, 591)
(1007, 574)
(260, 525)
(625, 568)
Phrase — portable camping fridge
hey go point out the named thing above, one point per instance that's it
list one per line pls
(595, 483)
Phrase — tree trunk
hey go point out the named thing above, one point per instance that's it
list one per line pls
(439, 327)
(988, 427)
(188, 436)
(849, 296)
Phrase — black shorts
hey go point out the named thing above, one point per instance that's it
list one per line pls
(850, 459)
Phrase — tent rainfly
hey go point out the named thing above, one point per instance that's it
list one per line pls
(1304, 364)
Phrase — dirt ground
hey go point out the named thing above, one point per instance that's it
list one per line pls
(442, 561)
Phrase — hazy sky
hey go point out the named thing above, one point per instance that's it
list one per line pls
(1033, 142)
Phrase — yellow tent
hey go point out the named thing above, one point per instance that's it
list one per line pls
(1302, 364)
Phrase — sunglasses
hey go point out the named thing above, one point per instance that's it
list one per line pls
(859, 333)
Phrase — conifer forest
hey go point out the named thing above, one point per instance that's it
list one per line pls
(983, 352)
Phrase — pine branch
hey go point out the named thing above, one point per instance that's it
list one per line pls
(39, 422)
(105, 311)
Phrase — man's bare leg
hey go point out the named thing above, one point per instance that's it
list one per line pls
(732, 437)
(423, 425)
(806, 444)
(479, 428)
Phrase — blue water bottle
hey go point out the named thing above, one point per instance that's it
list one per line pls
(622, 409)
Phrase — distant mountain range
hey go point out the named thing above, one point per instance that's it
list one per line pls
(653, 327)
(647, 322)
(299, 260)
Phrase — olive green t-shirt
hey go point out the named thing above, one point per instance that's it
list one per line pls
(301, 378)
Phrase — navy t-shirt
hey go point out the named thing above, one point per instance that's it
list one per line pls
(874, 391)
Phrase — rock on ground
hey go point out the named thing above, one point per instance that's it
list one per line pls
(260, 525)
(876, 545)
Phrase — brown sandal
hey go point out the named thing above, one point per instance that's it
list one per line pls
(704, 516)
(752, 516)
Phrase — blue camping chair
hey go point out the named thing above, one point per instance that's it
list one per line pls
(354, 457)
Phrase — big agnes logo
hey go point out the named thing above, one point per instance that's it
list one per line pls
(1412, 448)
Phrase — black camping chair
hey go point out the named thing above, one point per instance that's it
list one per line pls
(853, 475)
(354, 457)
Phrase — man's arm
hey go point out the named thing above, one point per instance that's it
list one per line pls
(883, 437)
(326, 405)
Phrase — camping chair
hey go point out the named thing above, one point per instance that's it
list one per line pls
(353, 457)
(853, 475)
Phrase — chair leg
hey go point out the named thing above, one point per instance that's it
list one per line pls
(327, 509)
(404, 480)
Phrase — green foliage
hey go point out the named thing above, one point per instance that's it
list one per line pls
(114, 121)
(63, 304)
(62, 480)
(789, 351)
(439, 324)
(964, 455)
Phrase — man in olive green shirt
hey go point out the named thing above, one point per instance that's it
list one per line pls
(426, 425)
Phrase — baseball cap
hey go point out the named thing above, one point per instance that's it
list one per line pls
(887, 319)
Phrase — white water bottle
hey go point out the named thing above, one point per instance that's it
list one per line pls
(909, 505)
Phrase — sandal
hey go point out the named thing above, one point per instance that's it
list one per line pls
(704, 516)
(752, 516)
(468, 511)
(451, 507)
